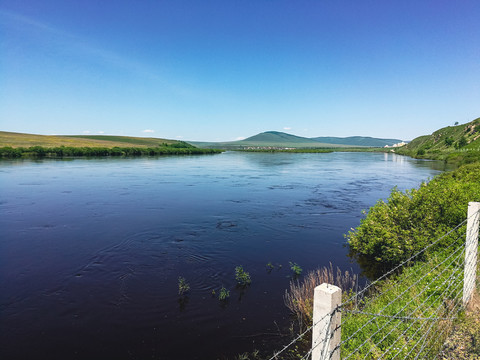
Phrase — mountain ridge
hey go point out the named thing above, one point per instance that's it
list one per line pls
(285, 140)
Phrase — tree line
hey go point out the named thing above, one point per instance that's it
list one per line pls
(70, 151)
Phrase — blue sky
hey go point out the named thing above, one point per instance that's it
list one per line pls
(222, 70)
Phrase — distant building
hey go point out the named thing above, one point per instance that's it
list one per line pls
(403, 143)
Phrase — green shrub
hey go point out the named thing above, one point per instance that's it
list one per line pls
(394, 230)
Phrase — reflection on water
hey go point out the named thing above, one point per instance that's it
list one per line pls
(91, 250)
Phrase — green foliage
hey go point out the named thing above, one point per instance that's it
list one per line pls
(449, 141)
(462, 142)
(183, 286)
(224, 294)
(270, 266)
(408, 221)
(68, 151)
(242, 277)
(458, 144)
(297, 270)
(430, 289)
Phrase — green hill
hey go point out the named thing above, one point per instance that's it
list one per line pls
(460, 144)
(27, 140)
(277, 139)
(357, 141)
(269, 139)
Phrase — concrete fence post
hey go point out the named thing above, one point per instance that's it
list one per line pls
(326, 332)
(471, 246)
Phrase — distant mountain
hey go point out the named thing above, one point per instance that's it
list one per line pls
(279, 139)
(357, 141)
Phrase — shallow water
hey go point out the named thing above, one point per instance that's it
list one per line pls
(91, 249)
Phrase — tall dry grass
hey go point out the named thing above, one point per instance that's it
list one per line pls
(299, 298)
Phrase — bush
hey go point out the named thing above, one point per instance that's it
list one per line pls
(394, 230)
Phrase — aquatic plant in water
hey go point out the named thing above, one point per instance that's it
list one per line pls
(297, 270)
(224, 294)
(242, 277)
(183, 286)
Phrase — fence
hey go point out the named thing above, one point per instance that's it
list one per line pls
(398, 317)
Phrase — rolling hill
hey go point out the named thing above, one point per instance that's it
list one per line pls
(459, 143)
(284, 140)
(357, 141)
(26, 140)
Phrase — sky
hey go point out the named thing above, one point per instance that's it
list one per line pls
(229, 69)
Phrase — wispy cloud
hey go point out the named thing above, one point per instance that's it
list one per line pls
(101, 132)
(71, 43)
(148, 131)
(287, 128)
(240, 138)
(86, 132)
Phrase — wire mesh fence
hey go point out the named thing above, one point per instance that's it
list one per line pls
(405, 314)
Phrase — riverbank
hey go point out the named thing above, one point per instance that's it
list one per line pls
(70, 151)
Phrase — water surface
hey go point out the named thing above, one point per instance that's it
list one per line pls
(91, 249)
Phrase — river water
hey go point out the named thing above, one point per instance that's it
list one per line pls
(91, 249)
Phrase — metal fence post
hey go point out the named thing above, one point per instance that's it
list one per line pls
(326, 319)
(471, 246)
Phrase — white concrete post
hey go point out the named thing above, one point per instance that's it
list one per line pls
(326, 331)
(471, 246)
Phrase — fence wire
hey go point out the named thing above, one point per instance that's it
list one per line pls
(404, 318)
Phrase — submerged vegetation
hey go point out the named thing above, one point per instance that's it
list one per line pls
(183, 286)
(297, 270)
(224, 294)
(242, 277)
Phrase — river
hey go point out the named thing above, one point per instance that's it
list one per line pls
(91, 249)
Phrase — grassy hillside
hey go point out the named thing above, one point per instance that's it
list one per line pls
(357, 141)
(16, 145)
(460, 144)
(27, 140)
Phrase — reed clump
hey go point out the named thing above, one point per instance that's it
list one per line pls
(299, 298)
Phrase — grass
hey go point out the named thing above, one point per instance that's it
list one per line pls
(414, 306)
(27, 140)
(464, 342)
(459, 144)
(299, 298)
